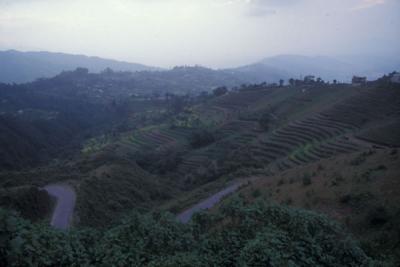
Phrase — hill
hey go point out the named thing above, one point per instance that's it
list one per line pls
(337, 143)
(20, 67)
(259, 72)
(340, 68)
(325, 67)
(36, 127)
(358, 189)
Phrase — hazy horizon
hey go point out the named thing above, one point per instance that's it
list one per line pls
(211, 33)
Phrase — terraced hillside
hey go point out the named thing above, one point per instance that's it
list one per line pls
(306, 124)
(155, 155)
(156, 138)
(331, 149)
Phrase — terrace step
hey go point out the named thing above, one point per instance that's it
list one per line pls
(299, 138)
(307, 131)
(284, 140)
(329, 126)
(315, 128)
(325, 116)
(300, 158)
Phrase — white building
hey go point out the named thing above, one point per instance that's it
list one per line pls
(309, 79)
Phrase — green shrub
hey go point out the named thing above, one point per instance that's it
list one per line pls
(265, 121)
(256, 193)
(337, 179)
(306, 180)
(381, 168)
(201, 138)
(259, 234)
(281, 182)
(358, 160)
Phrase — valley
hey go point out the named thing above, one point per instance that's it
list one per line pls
(212, 133)
(134, 157)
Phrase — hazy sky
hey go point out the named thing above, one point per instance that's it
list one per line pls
(216, 33)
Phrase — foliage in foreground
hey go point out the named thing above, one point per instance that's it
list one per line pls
(240, 235)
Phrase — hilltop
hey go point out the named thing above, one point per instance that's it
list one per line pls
(340, 68)
(20, 67)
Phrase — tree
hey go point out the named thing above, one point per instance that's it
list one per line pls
(201, 138)
(176, 103)
(239, 234)
(107, 71)
(265, 121)
(204, 94)
(220, 91)
(281, 82)
(155, 94)
(81, 71)
(292, 82)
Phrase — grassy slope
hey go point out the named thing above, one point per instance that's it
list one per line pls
(112, 183)
(361, 190)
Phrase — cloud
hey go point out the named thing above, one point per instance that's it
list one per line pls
(263, 8)
(11, 2)
(260, 12)
(272, 3)
(364, 4)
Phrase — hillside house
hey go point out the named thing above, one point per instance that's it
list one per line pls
(358, 81)
(309, 79)
(395, 78)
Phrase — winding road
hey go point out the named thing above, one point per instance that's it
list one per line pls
(65, 204)
(208, 203)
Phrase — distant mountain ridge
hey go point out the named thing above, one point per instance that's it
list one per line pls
(330, 68)
(20, 67)
(259, 72)
(299, 66)
(341, 68)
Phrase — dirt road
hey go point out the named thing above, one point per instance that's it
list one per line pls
(65, 203)
(64, 209)
(186, 215)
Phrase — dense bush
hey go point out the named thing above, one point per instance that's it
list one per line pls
(26, 244)
(30, 201)
(306, 180)
(159, 162)
(265, 121)
(201, 138)
(220, 91)
(240, 235)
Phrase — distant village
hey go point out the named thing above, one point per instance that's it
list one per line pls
(394, 77)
